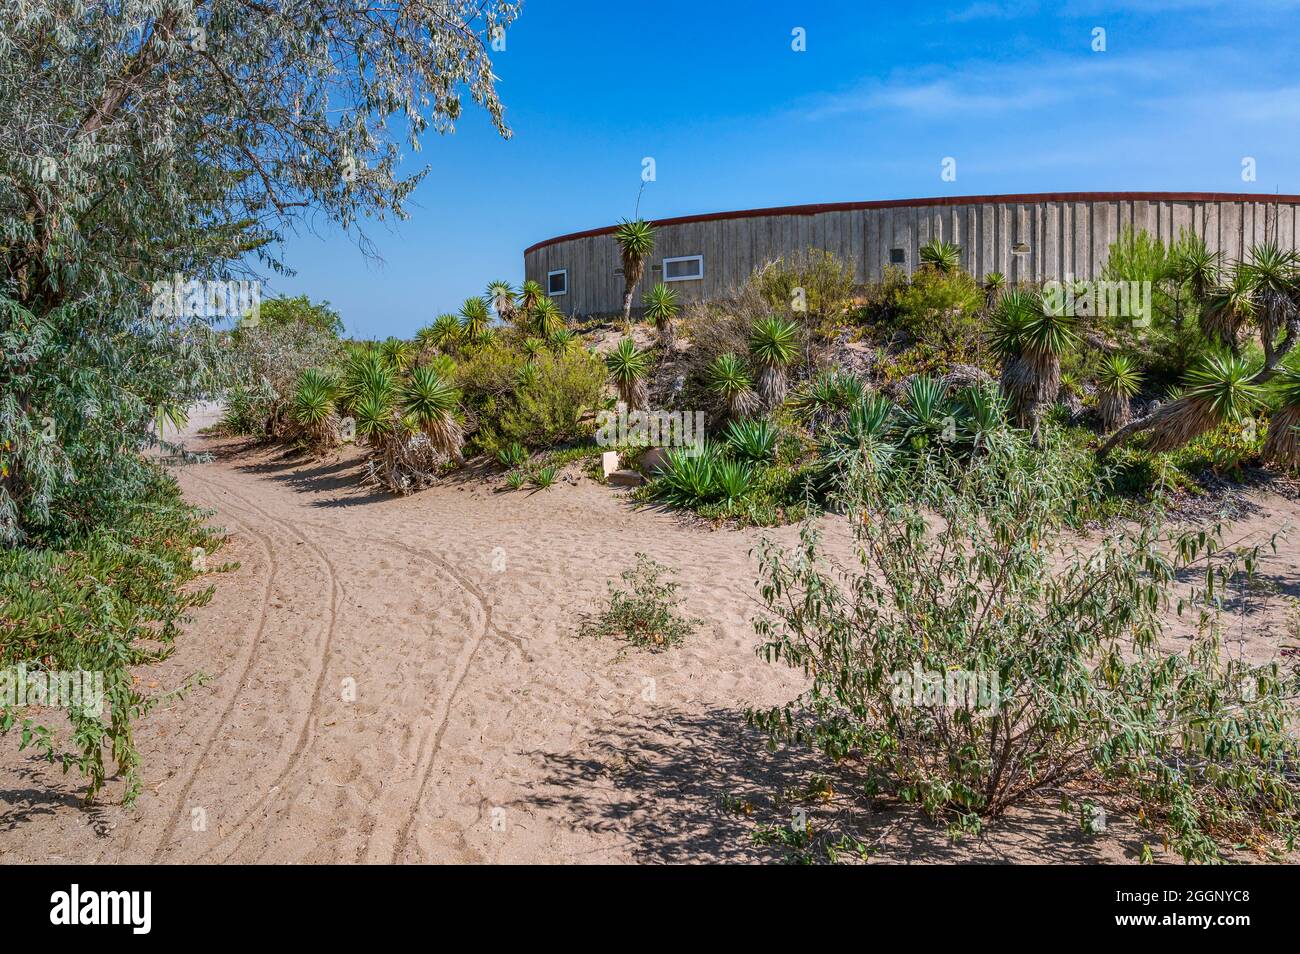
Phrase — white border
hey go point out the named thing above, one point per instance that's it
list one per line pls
(558, 271)
(685, 278)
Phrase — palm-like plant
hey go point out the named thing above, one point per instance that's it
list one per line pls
(728, 377)
(773, 346)
(942, 256)
(1194, 265)
(826, 396)
(628, 367)
(531, 348)
(1117, 382)
(547, 318)
(1215, 391)
(502, 296)
(365, 373)
(474, 319)
(661, 308)
(530, 293)
(444, 333)
(925, 414)
(314, 409)
(751, 440)
(1031, 340)
(995, 283)
(1282, 446)
(563, 340)
(1227, 310)
(431, 403)
(397, 353)
(636, 240)
(1273, 274)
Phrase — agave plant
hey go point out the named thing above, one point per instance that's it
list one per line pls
(545, 476)
(314, 409)
(751, 440)
(530, 293)
(1117, 382)
(942, 256)
(474, 319)
(431, 403)
(687, 479)
(732, 479)
(547, 318)
(727, 377)
(636, 240)
(772, 344)
(865, 442)
(661, 308)
(1228, 309)
(628, 367)
(1282, 445)
(1031, 340)
(502, 296)
(512, 456)
(1217, 390)
(826, 396)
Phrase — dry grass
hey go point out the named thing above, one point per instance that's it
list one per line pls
(1180, 422)
(1282, 445)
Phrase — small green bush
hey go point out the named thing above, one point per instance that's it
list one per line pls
(943, 311)
(647, 612)
(554, 407)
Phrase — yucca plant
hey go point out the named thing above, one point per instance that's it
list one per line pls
(628, 367)
(516, 479)
(1117, 382)
(531, 348)
(661, 308)
(365, 373)
(995, 283)
(445, 332)
(1228, 309)
(1031, 340)
(563, 340)
(512, 456)
(925, 415)
(866, 442)
(942, 256)
(502, 296)
(1215, 391)
(545, 476)
(375, 413)
(687, 479)
(728, 377)
(1191, 263)
(474, 319)
(1282, 445)
(397, 353)
(772, 344)
(530, 293)
(431, 403)
(826, 396)
(1272, 273)
(547, 318)
(732, 479)
(636, 240)
(314, 409)
(984, 417)
(751, 440)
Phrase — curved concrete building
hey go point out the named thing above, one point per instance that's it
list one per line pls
(1025, 237)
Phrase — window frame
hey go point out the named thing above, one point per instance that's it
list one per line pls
(558, 271)
(663, 265)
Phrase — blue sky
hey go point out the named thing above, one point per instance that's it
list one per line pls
(735, 118)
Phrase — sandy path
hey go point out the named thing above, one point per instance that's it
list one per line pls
(397, 680)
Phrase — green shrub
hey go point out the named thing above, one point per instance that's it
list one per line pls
(555, 406)
(976, 660)
(825, 280)
(646, 614)
(942, 310)
(109, 602)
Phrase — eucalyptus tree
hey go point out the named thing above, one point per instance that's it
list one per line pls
(157, 144)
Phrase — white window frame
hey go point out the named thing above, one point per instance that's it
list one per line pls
(683, 258)
(558, 271)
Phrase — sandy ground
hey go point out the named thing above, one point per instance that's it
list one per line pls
(482, 728)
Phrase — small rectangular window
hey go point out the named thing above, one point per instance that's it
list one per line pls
(684, 268)
(898, 256)
(557, 282)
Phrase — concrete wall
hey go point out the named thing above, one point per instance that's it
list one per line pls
(1067, 234)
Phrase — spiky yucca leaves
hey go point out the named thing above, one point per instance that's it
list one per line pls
(1228, 309)
(728, 378)
(431, 402)
(661, 308)
(547, 318)
(628, 367)
(1282, 445)
(826, 397)
(314, 409)
(636, 240)
(563, 340)
(1215, 391)
(474, 319)
(942, 256)
(532, 347)
(502, 296)
(365, 373)
(867, 441)
(1031, 339)
(985, 416)
(445, 332)
(925, 415)
(1117, 382)
(773, 346)
(1192, 264)
(995, 283)
(1273, 274)
(397, 353)
(751, 440)
(530, 293)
